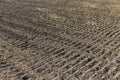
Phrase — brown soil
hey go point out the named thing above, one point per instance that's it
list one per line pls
(59, 40)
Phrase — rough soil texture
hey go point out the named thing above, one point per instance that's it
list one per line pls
(59, 39)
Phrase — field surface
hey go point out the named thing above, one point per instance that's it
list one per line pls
(59, 39)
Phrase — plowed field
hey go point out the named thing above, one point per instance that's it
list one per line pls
(59, 39)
